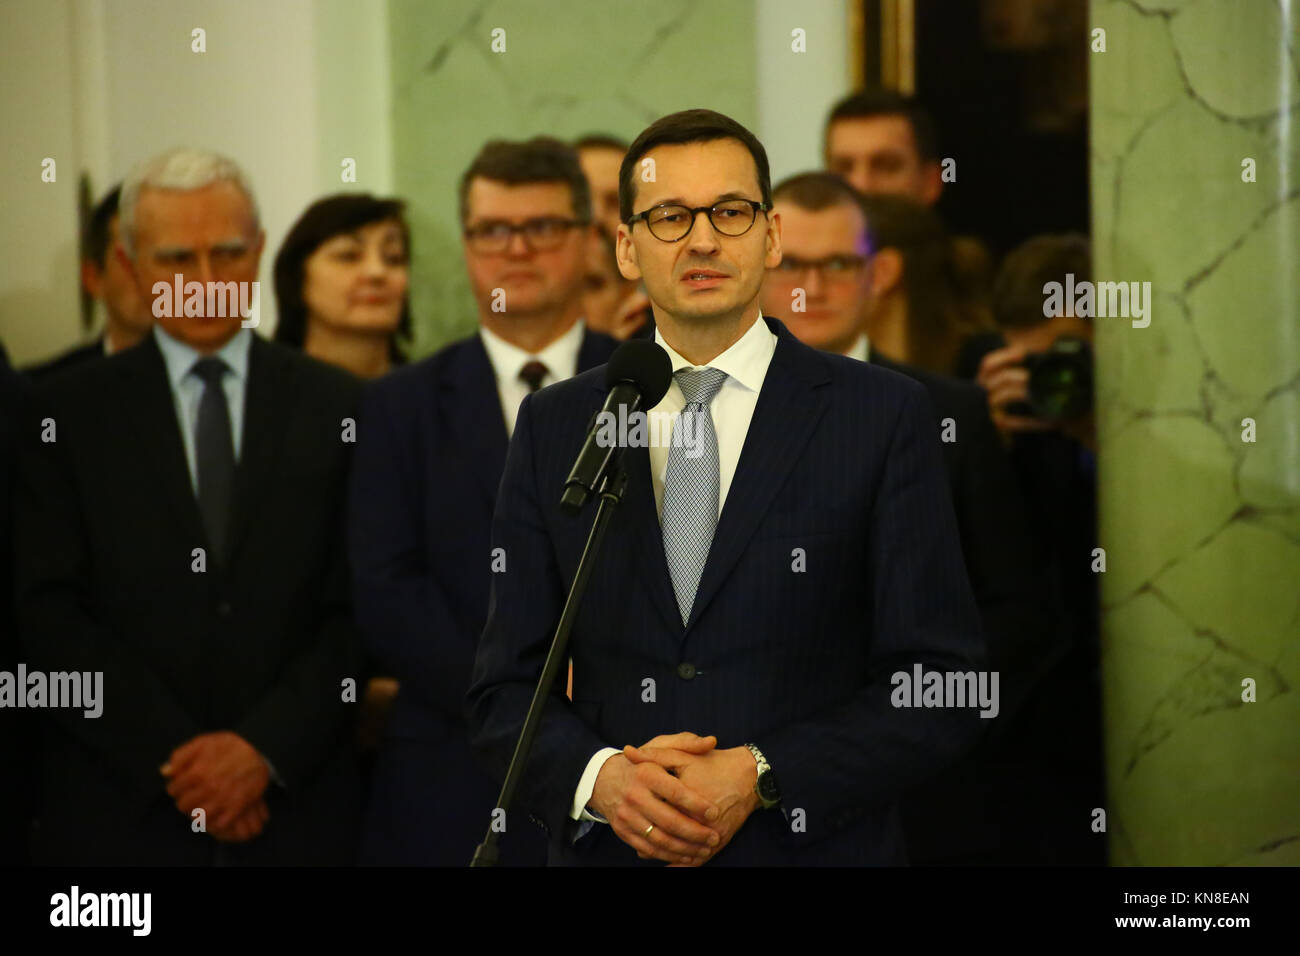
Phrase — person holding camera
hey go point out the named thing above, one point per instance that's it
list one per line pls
(1041, 379)
(1039, 388)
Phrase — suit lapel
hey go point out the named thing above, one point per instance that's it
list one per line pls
(156, 433)
(639, 500)
(266, 398)
(789, 407)
(473, 406)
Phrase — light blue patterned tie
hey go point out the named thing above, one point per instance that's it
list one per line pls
(690, 507)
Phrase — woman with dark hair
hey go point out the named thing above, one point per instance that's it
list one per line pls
(926, 304)
(341, 281)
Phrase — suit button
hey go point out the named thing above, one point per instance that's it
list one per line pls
(224, 609)
(686, 670)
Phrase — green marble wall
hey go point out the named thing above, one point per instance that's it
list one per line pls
(569, 68)
(1201, 528)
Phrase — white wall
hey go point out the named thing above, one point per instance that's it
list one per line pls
(38, 229)
(797, 90)
(286, 88)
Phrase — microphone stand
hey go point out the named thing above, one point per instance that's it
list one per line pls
(612, 488)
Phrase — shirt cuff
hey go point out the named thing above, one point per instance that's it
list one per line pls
(587, 783)
(275, 777)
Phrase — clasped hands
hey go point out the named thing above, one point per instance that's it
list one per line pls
(691, 797)
(225, 776)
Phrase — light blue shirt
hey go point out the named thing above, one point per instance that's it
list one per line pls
(187, 388)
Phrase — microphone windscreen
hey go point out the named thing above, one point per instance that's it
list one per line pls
(643, 363)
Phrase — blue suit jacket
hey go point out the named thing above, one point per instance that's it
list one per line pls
(841, 469)
(431, 443)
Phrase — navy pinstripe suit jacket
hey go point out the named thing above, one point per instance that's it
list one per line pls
(842, 465)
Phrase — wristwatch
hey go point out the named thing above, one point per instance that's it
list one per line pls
(769, 794)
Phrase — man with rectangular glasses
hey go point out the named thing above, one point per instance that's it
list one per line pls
(830, 270)
(430, 449)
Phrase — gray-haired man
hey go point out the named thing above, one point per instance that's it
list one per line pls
(180, 532)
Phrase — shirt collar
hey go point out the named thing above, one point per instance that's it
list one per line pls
(860, 349)
(179, 358)
(745, 362)
(508, 359)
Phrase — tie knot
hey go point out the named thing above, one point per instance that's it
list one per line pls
(210, 369)
(532, 373)
(699, 385)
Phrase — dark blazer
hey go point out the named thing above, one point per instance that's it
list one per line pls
(963, 813)
(259, 644)
(73, 358)
(15, 725)
(1007, 582)
(432, 445)
(841, 470)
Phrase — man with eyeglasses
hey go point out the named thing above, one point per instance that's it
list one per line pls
(826, 279)
(732, 696)
(431, 445)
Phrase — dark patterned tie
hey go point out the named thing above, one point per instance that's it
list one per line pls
(532, 374)
(214, 450)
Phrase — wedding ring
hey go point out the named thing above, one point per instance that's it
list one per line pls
(648, 829)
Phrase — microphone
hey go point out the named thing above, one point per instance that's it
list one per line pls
(637, 376)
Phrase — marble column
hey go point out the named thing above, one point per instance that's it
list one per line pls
(560, 69)
(1196, 189)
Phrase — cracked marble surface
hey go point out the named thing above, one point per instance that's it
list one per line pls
(568, 69)
(1201, 529)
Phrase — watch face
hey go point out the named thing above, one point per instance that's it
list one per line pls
(767, 788)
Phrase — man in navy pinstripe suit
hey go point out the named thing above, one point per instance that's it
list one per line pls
(755, 599)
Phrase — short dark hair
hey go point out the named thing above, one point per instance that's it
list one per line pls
(542, 159)
(1018, 289)
(600, 141)
(867, 104)
(323, 220)
(688, 126)
(820, 190)
(95, 235)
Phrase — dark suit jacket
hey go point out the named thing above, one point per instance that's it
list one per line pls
(841, 466)
(259, 644)
(1007, 582)
(961, 814)
(73, 358)
(15, 725)
(431, 449)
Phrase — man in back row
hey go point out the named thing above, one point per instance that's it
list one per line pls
(432, 446)
(179, 529)
(107, 278)
(827, 277)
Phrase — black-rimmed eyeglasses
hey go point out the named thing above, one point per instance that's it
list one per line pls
(671, 222)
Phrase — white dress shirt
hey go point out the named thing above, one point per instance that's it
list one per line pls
(746, 363)
(560, 359)
(861, 349)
